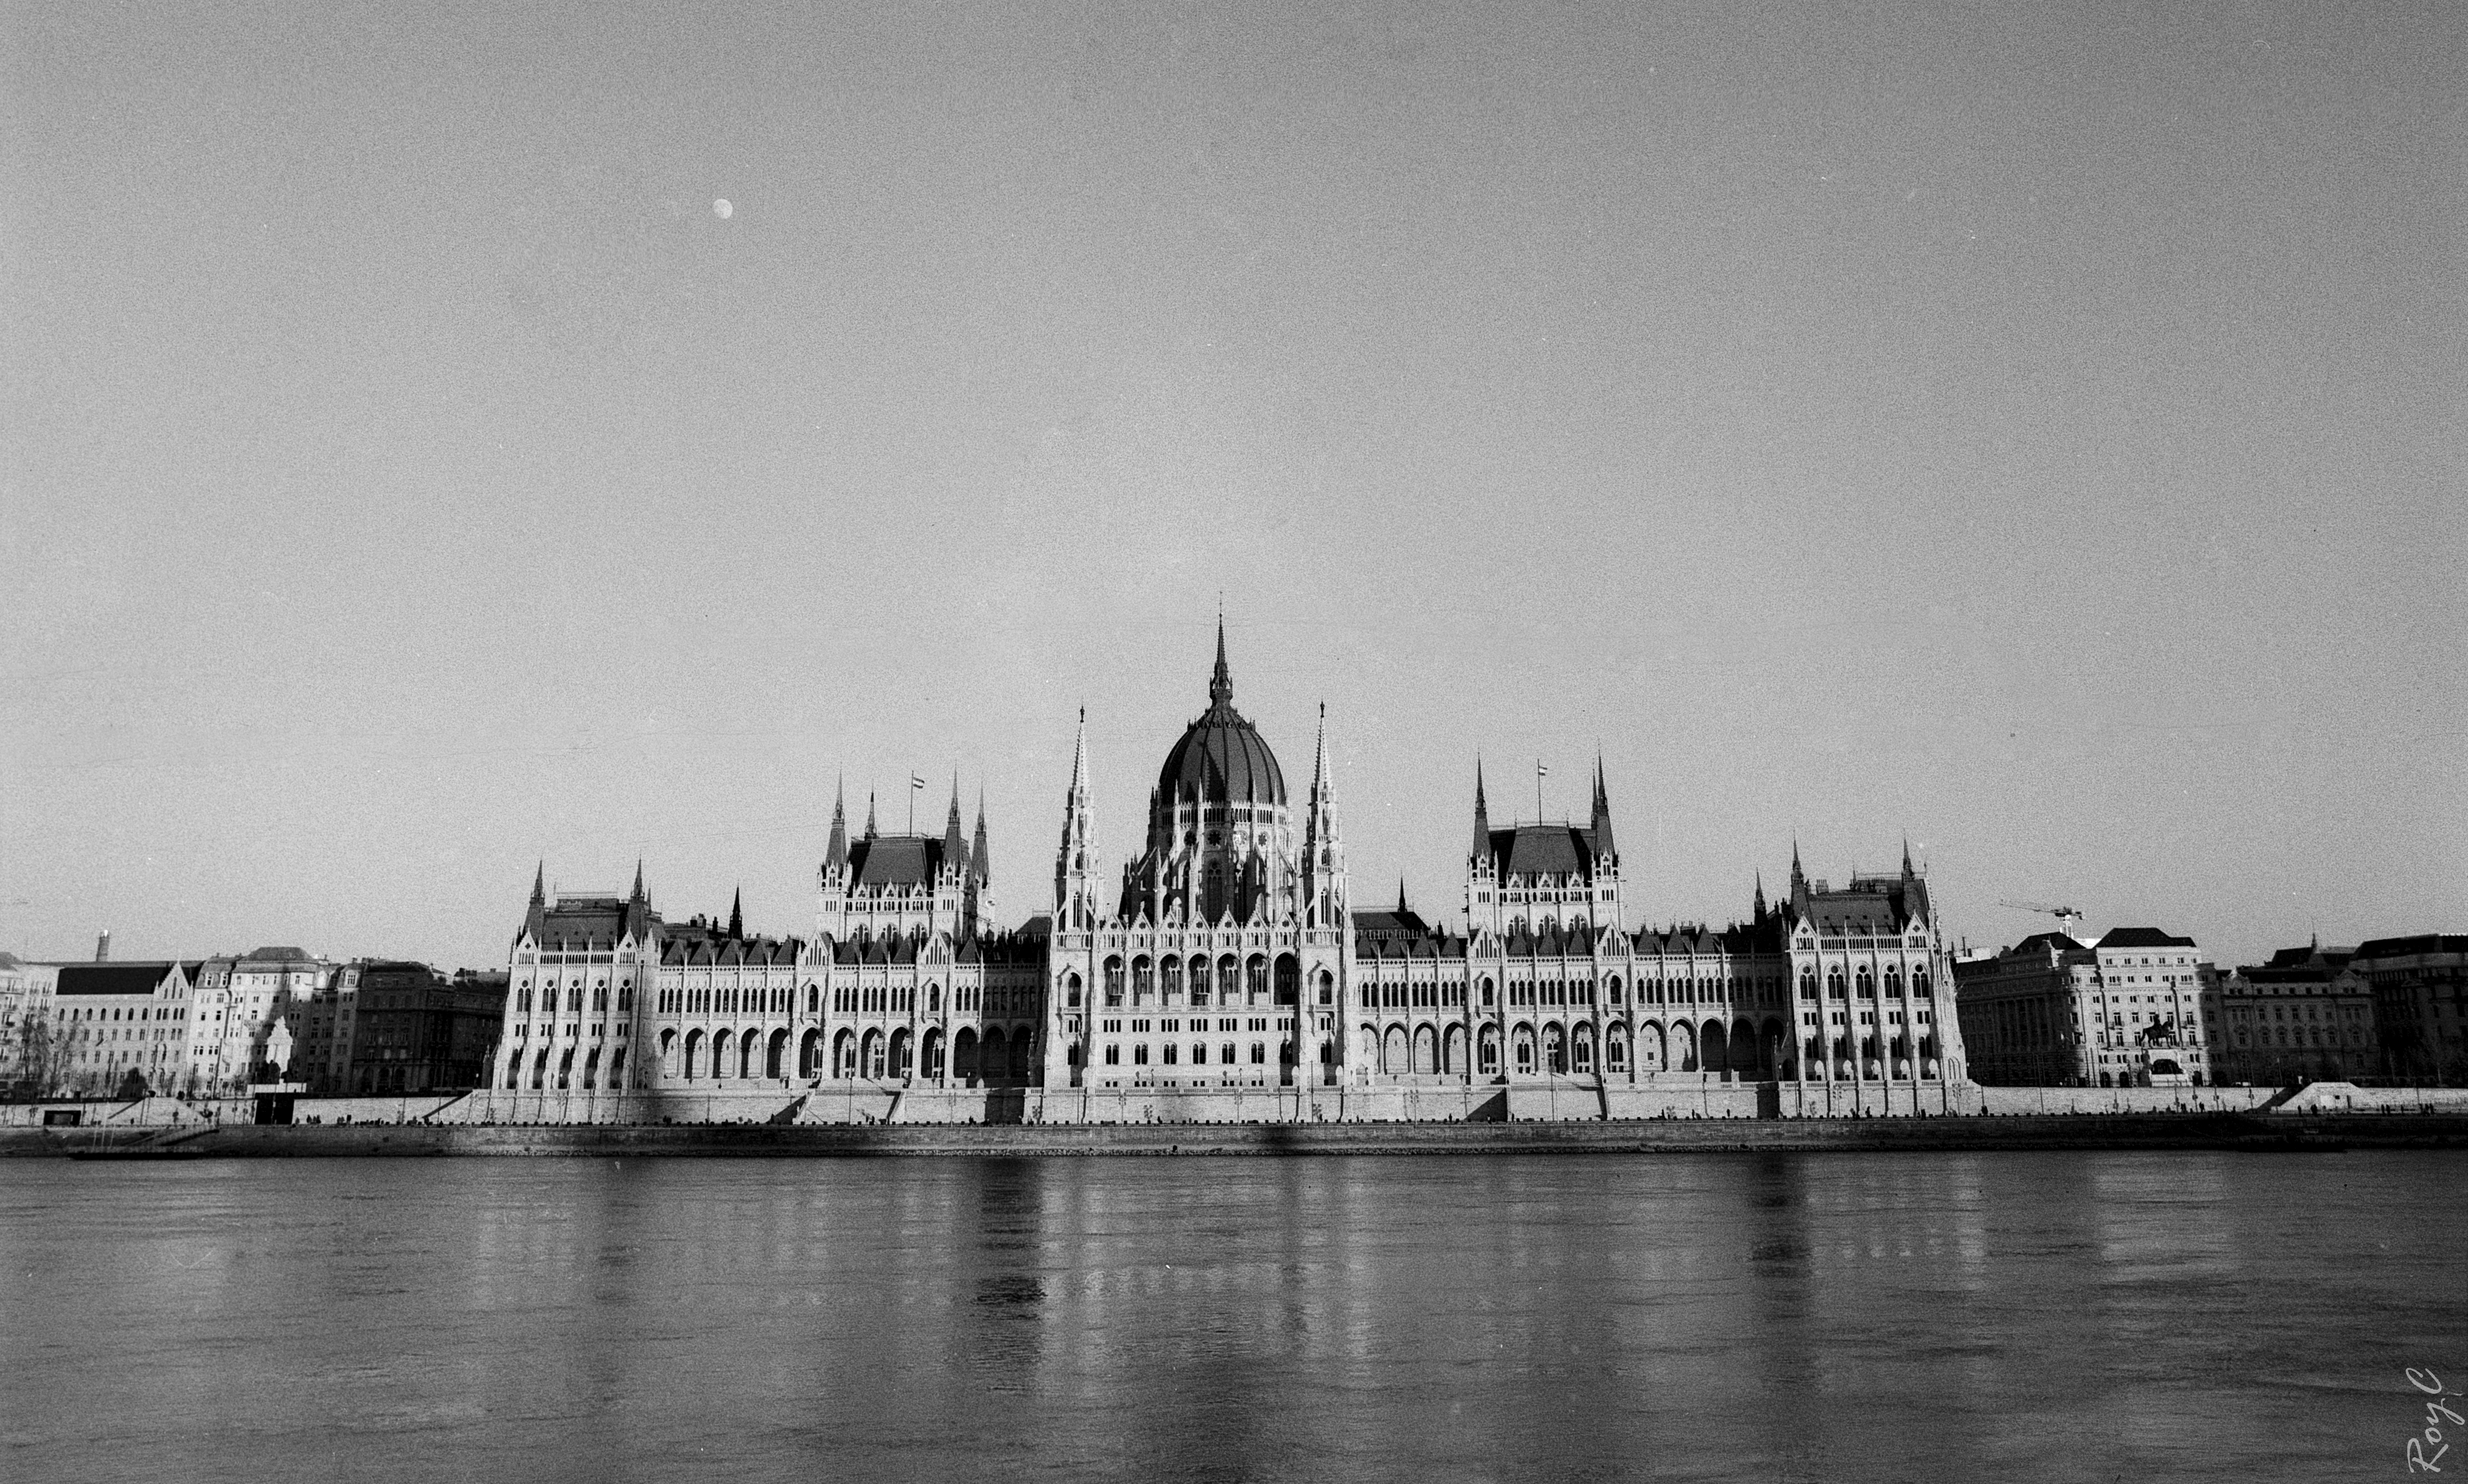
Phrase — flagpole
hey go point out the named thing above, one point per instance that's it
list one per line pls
(1538, 791)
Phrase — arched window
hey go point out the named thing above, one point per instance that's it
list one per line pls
(1834, 984)
(1524, 1052)
(524, 998)
(1327, 988)
(1289, 980)
(1490, 997)
(1555, 1051)
(1613, 986)
(1808, 983)
(1893, 982)
(1487, 1052)
(599, 1001)
(1143, 980)
(1867, 982)
(1113, 983)
(1071, 990)
(1615, 1051)
(1170, 978)
(1199, 982)
(1919, 984)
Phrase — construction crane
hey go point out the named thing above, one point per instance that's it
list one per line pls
(2066, 917)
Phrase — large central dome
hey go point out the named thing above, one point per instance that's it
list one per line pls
(1222, 758)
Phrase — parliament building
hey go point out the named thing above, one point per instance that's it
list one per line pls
(1225, 972)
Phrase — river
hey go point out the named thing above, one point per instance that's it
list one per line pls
(2023, 1316)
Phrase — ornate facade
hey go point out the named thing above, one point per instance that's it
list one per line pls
(1227, 957)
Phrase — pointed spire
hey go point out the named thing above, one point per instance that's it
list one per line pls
(979, 871)
(1401, 895)
(1799, 877)
(1221, 685)
(1323, 785)
(837, 855)
(1760, 913)
(954, 844)
(1080, 755)
(1481, 815)
(869, 813)
(1604, 849)
(539, 884)
(638, 880)
(736, 914)
(1906, 857)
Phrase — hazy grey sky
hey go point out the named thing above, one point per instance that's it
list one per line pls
(2035, 429)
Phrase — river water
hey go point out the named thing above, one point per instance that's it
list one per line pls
(1771, 1317)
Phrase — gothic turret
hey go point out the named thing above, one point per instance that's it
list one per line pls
(1324, 894)
(1077, 904)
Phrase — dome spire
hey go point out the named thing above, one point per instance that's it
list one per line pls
(1221, 685)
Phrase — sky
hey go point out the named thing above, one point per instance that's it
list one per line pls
(2032, 431)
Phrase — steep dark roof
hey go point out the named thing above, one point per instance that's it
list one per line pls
(2142, 937)
(583, 918)
(130, 978)
(1389, 923)
(2409, 947)
(2062, 943)
(278, 954)
(1543, 850)
(894, 860)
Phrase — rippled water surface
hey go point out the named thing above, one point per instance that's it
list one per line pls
(1920, 1316)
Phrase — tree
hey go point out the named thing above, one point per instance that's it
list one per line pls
(42, 1053)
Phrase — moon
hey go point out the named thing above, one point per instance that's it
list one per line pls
(722, 210)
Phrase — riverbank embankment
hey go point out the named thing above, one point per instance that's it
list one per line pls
(1982, 1133)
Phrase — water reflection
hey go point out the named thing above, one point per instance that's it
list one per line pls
(1874, 1316)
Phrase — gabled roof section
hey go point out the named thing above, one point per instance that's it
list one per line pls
(2048, 942)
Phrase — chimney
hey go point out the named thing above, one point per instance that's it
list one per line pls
(102, 947)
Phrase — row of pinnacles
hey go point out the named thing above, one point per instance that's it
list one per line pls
(1225, 973)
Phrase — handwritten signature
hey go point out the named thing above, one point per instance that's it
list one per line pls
(2419, 1461)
